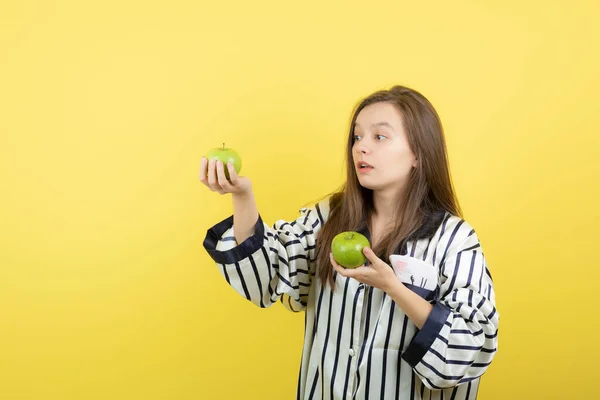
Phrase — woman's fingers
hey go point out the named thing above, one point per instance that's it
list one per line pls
(233, 176)
(214, 175)
(221, 178)
(213, 182)
(204, 170)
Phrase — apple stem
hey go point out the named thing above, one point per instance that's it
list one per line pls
(223, 146)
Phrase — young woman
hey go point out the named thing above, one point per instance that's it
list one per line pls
(371, 332)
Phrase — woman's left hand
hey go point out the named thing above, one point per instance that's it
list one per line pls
(379, 274)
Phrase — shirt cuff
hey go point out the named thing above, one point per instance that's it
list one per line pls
(424, 338)
(239, 252)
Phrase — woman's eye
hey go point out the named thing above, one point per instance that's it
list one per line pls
(380, 137)
(357, 137)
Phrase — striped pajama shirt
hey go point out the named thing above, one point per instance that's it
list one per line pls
(357, 343)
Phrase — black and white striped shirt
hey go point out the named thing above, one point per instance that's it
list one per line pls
(358, 344)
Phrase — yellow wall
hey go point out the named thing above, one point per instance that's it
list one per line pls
(106, 109)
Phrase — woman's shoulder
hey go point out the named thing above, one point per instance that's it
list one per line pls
(320, 207)
(456, 229)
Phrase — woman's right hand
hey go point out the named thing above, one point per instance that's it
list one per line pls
(212, 174)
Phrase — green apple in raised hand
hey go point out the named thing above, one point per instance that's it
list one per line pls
(226, 155)
(347, 249)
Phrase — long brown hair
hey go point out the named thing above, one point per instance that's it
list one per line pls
(429, 188)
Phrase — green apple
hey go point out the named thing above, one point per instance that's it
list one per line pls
(226, 155)
(347, 249)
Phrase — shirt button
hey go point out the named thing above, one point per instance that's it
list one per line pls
(351, 352)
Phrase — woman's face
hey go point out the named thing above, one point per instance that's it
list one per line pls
(382, 156)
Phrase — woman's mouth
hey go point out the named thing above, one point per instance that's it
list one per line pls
(363, 167)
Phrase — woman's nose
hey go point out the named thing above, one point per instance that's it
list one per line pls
(361, 148)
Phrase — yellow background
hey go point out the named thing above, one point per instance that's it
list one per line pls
(106, 109)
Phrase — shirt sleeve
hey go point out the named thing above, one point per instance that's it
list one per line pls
(275, 264)
(459, 339)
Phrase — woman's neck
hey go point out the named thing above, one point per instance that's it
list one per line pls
(386, 204)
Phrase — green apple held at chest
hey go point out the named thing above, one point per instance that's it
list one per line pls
(347, 249)
(226, 155)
